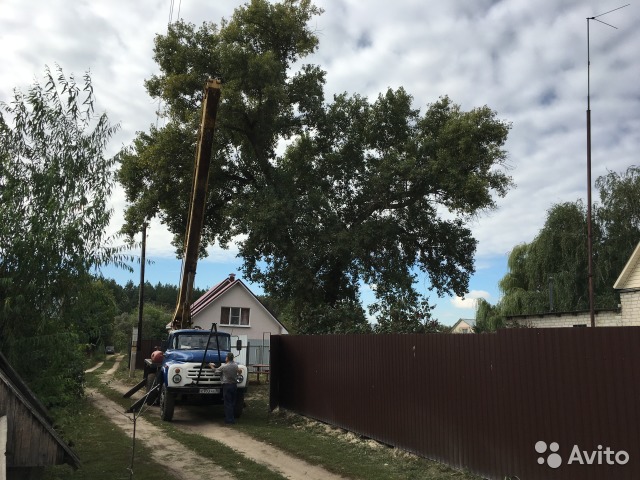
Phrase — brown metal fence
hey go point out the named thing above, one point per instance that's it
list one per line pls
(534, 404)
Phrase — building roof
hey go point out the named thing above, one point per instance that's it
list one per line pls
(19, 390)
(469, 321)
(214, 292)
(629, 271)
(218, 290)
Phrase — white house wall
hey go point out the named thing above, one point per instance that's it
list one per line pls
(261, 323)
(630, 307)
(633, 281)
(607, 318)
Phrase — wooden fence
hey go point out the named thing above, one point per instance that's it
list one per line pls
(524, 403)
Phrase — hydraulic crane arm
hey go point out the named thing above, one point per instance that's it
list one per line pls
(182, 316)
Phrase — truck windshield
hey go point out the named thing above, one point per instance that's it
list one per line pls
(194, 341)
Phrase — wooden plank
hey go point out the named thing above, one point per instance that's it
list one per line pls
(3, 447)
(135, 389)
(137, 405)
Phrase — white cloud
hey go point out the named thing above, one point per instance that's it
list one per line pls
(469, 300)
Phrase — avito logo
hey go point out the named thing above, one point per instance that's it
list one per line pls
(601, 456)
(553, 460)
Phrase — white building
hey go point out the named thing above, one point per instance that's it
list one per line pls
(236, 310)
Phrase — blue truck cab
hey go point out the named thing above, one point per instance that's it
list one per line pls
(184, 376)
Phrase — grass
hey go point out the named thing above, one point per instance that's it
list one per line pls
(336, 450)
(103, 449)
(317, 443)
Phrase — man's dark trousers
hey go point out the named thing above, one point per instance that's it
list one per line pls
(229, 391)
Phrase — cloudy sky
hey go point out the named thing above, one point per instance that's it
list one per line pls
(526, 60)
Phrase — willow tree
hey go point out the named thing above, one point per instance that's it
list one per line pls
(55, 183)
(556, 259)
(366, 192)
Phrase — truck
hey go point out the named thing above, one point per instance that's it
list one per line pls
(180, 372)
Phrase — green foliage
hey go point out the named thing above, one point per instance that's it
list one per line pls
(126, 297)
(488, 317)
(54, 187)
(404, 312)
(618, 222)
(51, 361)
(356, 198)
(559, 251)
(154, 324)
(93, 311)
(161, 294)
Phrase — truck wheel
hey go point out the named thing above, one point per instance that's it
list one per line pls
(167, 403)
(152, 398)
(239, 406)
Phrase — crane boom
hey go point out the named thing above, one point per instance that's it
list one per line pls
(182, 315)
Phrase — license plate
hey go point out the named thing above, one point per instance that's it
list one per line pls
(209, 390)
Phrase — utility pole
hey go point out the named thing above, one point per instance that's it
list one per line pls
(138, 343)
(592, 310)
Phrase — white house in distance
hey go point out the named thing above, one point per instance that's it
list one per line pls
(236, 310)
(464, 325)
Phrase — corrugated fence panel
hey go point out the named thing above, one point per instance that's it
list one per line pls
(536, 404)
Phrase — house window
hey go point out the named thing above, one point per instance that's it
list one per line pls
(234, 316)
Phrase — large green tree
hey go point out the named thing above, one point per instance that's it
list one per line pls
(556, 256)
(55, 183)
(323, 197)
(618, 221)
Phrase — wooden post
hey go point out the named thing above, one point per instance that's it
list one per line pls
(3, 448)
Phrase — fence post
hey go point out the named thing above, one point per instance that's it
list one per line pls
(3, 447)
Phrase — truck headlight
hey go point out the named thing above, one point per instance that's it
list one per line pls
(177, 378)
(239, 379)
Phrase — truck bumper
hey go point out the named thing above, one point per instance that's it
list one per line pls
(206, 395)
(199, 390)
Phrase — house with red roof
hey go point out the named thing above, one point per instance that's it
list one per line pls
(236, 310)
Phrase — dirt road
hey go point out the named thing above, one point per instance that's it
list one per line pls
(173, 456)
(180, 461)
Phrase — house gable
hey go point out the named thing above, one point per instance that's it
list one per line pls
(630, 276)
(234, 293)
(464, 325)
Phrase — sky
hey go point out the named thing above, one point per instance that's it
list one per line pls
(526, 60)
